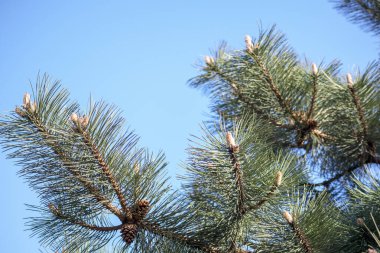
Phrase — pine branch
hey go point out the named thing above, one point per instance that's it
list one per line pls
(358, 106)
(182, 239)
(300, 121)
(233, 149)
(55, 211)
(269, 80)
(304, 124)
(212, 66)
(195, 244)
(346, 172)
(271, 192)
(106, 170)
(338, 176)
(299, 233)
(363, 12)
(314, 92)
(33, 118)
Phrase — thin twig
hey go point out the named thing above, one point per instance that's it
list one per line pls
(155, 229)
(81, 223)
(359, 109)
(313, 96)
(303, 240)
(193, 243)
(347, 172)
(261, 202)
(241, 208)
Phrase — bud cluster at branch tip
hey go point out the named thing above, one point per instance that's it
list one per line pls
(360, 221)
(231, 143)
(136, 168)
(84, 121)
(80, 121)
(248, 44)
(33, 107)
(30, 106)
(314, 69)
(278, 179)
(209, 60)
(20, 112)
(74, 117)
(349, 80)
(26, 100)
(288, 217)
(53, 209)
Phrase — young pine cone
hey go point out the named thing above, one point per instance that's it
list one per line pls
(128, 233)
(141, 209)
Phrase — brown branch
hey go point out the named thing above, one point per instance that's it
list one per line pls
(65, 160)
(299, 233)
(241, 97)
(106, 170)
(359, 109)
(96, 228)
(347, 172)
(328, 182)
(54, 210)
(261, 202)
(302, 237)
(233, 149)
(93, 227)
(313, 96)
(268, 78)
(370, 146)
(193, 243)
(155, 229)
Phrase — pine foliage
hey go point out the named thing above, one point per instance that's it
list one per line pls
(364, 12)
(249, 183)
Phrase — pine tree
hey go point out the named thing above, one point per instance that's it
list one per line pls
(288, 164)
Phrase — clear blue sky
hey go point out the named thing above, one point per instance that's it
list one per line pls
(139, 56)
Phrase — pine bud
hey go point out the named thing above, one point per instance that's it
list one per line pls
(84, 121)
(74, 117)
(20, 112)
(209, 60)
(314, 69)
(230, 140)
(360, 221)
(278, 179)
(231, 143)
(26, 100)
(288, 217)
(53, 209)
(349, 80)
(33, 107)
(248, 43)
(136, 168)
(370, 250)
(248, 39)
